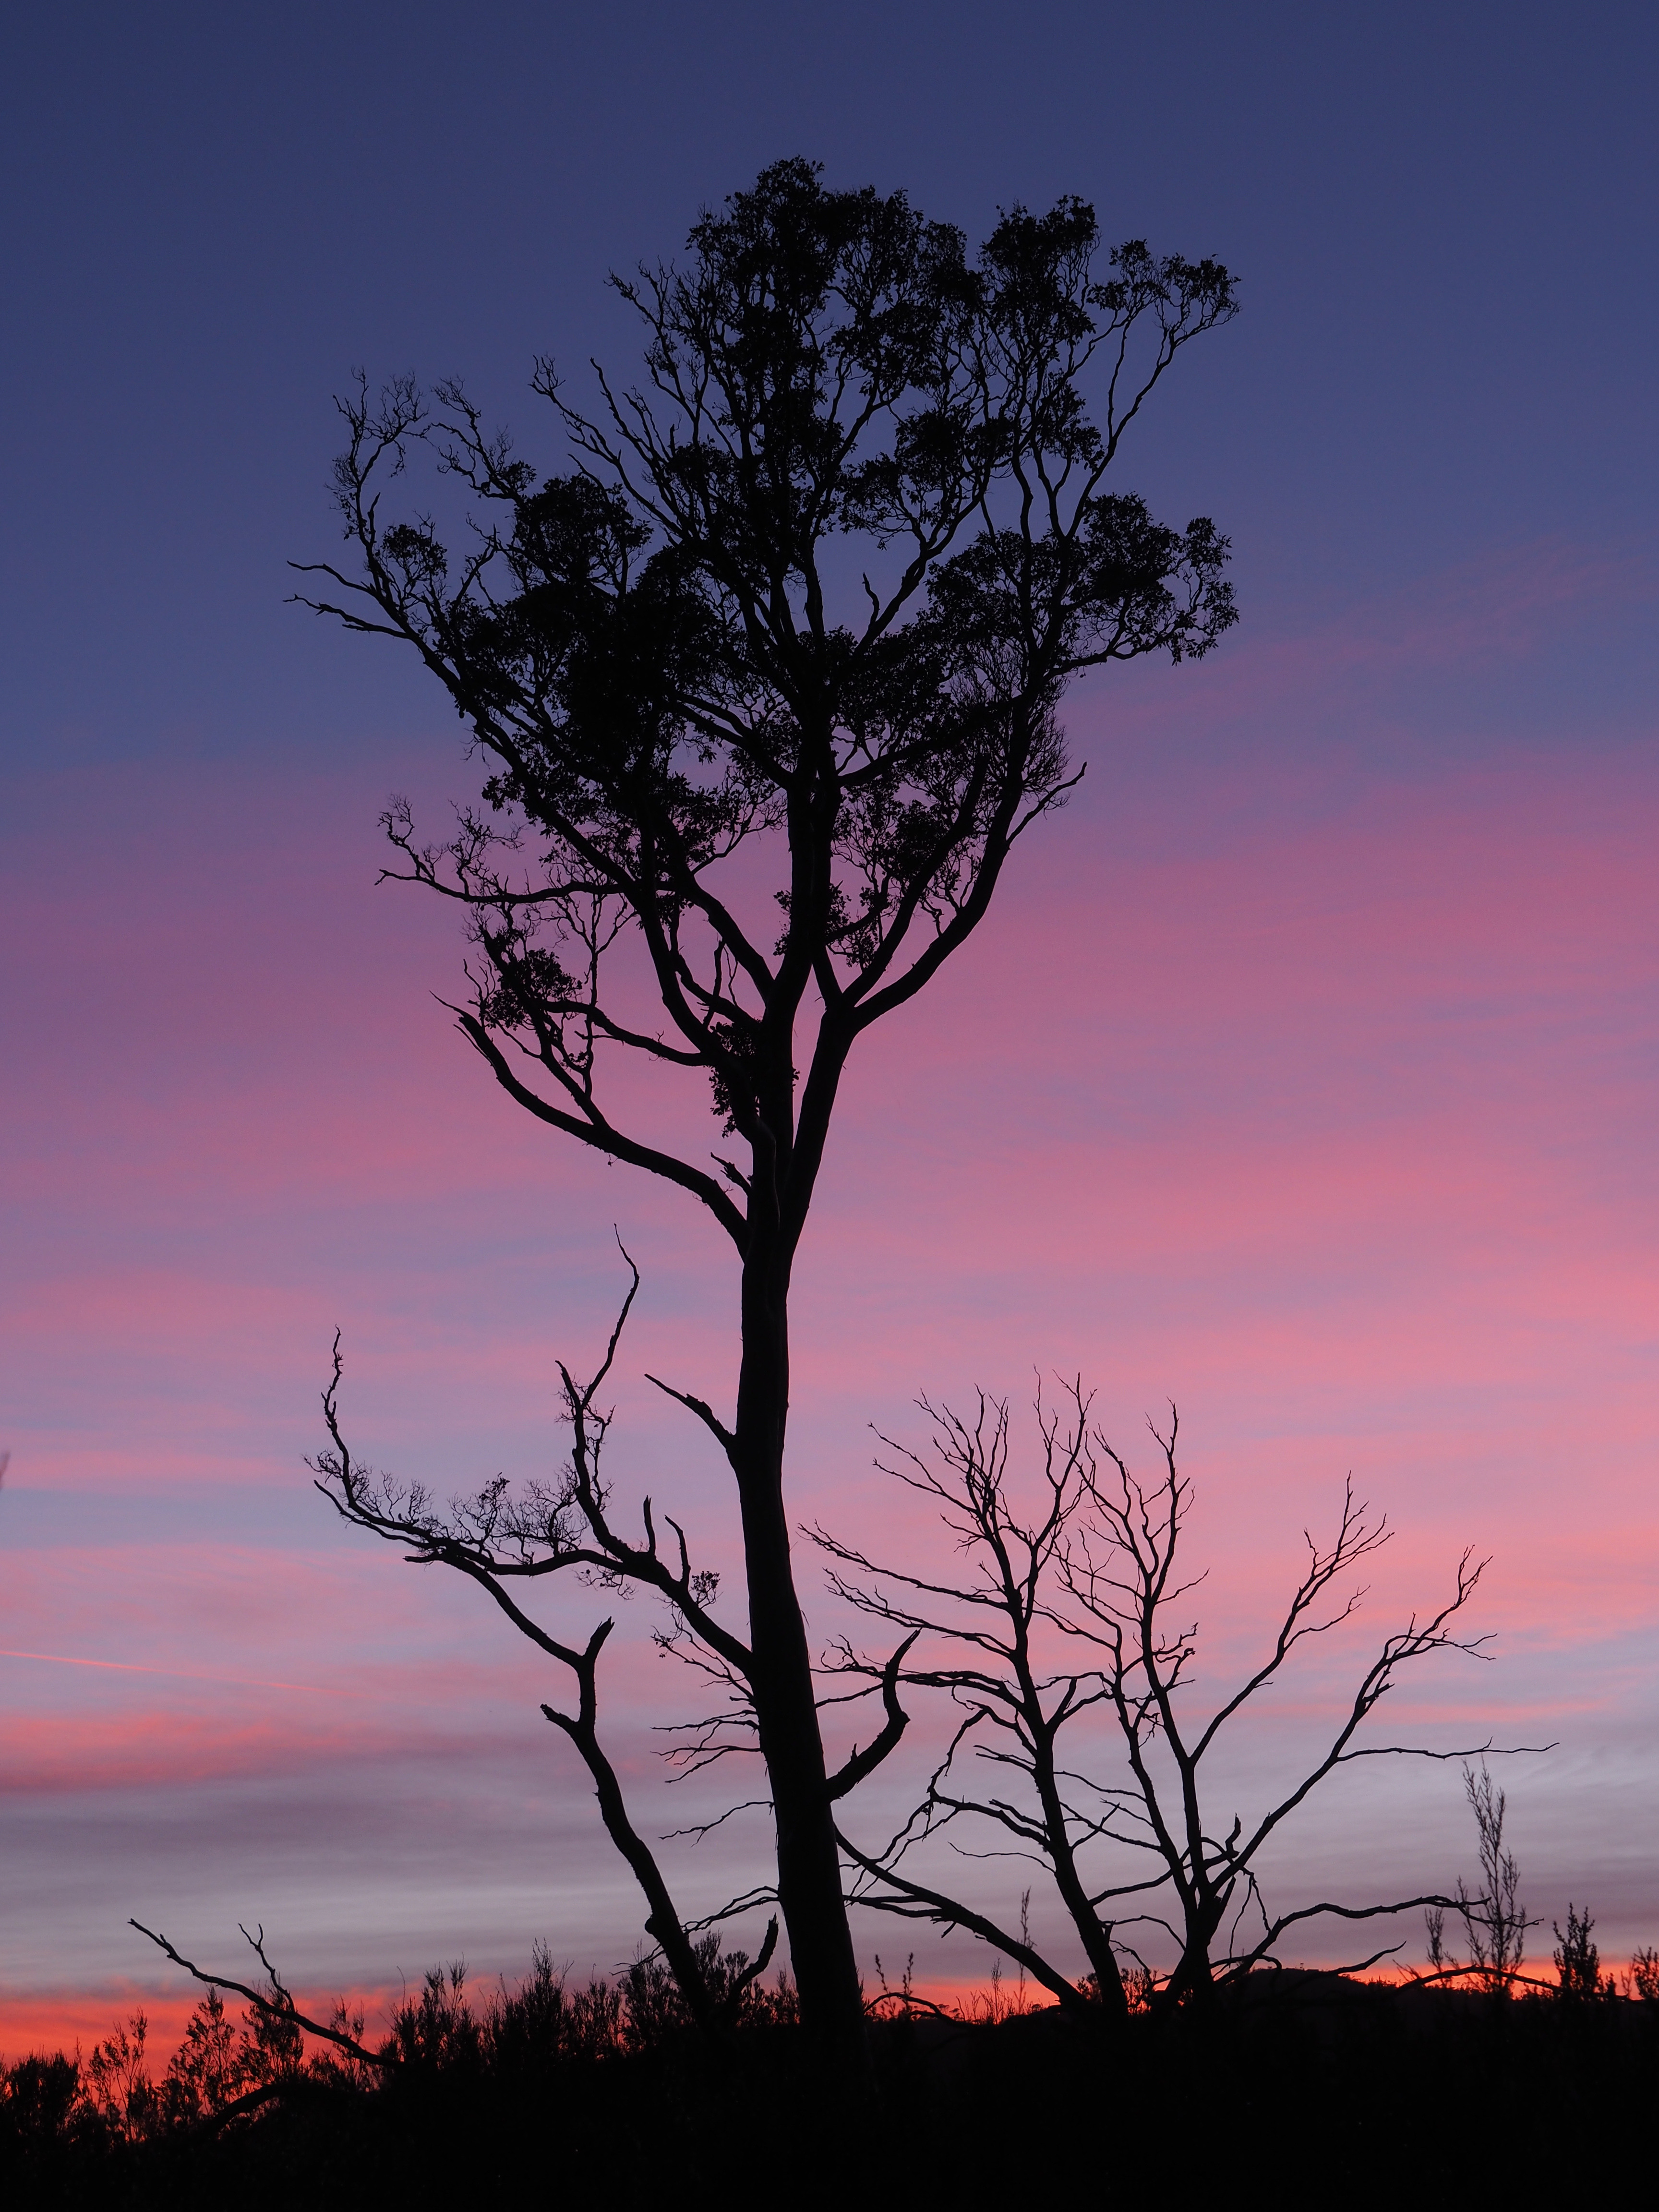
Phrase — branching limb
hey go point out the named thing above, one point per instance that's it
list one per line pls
(593, 1130)
(863, 1763)
(277, 2005)
(741, 1984)
(663, 1921)
(913, 1900)
(494, 1540)
(711, 1420)
(1238, 1964)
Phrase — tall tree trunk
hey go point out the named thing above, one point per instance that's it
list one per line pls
(809, 1865)
(1194, 1981)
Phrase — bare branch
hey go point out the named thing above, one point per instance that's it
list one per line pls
(863, 1763)
(711, 1420)
(278, 2005)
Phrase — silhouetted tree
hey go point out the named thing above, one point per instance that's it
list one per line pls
(210, 2068)
(1576, 1960)
(1495, 1921)
(768, 685)
(1064, 1650)
(118, 2083)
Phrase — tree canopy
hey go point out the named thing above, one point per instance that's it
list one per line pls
(653, 651)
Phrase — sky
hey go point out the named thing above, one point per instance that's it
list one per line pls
(1305, 1073)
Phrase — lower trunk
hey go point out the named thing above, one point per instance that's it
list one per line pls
(1096, 1938)
(1193, 1981)
(809, 1864)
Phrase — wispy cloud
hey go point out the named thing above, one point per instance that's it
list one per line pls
(176, 1674)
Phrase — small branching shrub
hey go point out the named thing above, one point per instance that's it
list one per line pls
(212, 2066)
(117, 2083)
(1578, 1962)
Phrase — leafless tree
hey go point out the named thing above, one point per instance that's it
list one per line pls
(1495, 1921)
(1065, 1648)
(687, 735)
(508, 1541)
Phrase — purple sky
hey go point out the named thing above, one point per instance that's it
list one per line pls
(1306, 1075)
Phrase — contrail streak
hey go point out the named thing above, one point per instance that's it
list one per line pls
(178, 1674)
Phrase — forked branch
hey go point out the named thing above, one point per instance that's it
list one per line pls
(1091, 1574)
(276, 2002)
(497, 1540)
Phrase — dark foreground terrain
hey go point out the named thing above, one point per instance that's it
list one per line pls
(1310, 2091)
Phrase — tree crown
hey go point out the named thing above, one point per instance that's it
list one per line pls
(653, 656)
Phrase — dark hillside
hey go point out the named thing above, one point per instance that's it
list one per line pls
(1311, 2091)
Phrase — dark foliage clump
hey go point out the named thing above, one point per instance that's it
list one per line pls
(1309, 2086)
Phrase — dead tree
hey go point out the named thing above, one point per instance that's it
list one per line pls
(1064, 1650)
(507, 1543)
(691, 730)
(1495, 1921)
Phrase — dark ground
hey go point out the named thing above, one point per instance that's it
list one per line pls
(1314, 2092)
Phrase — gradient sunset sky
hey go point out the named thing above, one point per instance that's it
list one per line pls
(1308, 1072)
